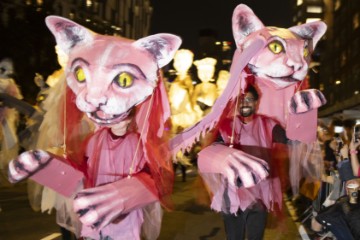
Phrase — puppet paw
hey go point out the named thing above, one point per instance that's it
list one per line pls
(238, 167)
(306, 100)
(99, 206)
(244, 170)
(26, 164)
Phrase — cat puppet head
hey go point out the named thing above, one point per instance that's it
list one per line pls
(110, 75)
(285, 59)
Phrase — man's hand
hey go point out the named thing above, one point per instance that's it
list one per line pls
(238, 167)
(27, 164)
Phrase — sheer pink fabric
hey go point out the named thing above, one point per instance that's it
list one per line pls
(152, 121)
(187, 138)
(109, 160)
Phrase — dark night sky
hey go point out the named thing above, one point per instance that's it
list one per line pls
(186, 17)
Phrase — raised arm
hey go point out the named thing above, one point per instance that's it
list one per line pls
(354, 146)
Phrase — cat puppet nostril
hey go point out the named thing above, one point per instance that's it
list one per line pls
(96, 101)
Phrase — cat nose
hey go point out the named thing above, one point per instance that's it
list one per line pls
(296, 65)
(95, 100)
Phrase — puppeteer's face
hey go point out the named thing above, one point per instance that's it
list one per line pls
(247, 106)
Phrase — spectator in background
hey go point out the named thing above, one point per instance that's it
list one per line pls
(342, 218)
(354, 151)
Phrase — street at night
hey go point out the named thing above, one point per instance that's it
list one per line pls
(188, 221)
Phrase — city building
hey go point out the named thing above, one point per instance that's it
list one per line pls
(336, 63)
(130, 19)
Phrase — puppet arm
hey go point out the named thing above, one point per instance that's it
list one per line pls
(12, 102)
(238, 167)
(27, 163)
(46, 169)
(306, 100)
(99, 206)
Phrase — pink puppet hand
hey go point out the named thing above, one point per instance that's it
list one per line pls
(27, 164)
(238, 167)
(306, 100)
(99, 206)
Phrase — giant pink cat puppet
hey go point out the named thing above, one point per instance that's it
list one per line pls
(124, 176)
(276, 60)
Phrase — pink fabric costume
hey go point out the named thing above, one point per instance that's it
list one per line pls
(254, 138)
(114, 166)
(110, 80)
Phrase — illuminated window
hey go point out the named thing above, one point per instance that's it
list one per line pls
(314, 9)
(356, 22)
(308, 20)
(226, 46)
(299, 2)
(88, 3)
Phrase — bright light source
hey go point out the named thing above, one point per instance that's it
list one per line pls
(183, 60)
(337, 82)
(309, 20)
(314, 9)
(217, 43)
(206, 68)
(299, 2)
(356, 92)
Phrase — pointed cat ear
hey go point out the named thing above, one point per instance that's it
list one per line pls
(244, 22)
(67, 33)
(162, 46)
(313, 30)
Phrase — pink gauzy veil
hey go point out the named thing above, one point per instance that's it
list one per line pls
(183, 141)
(152, 117)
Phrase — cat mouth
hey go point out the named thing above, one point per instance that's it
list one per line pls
(289, 79)
(102, 118)
(285, 79)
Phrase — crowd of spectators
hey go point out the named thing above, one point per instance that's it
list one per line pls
(336, 210)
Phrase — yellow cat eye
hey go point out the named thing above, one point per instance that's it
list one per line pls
(276, 47)
(306, 52)
(124, 80)
(80, 74)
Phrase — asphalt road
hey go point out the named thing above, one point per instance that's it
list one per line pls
(191, 218)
